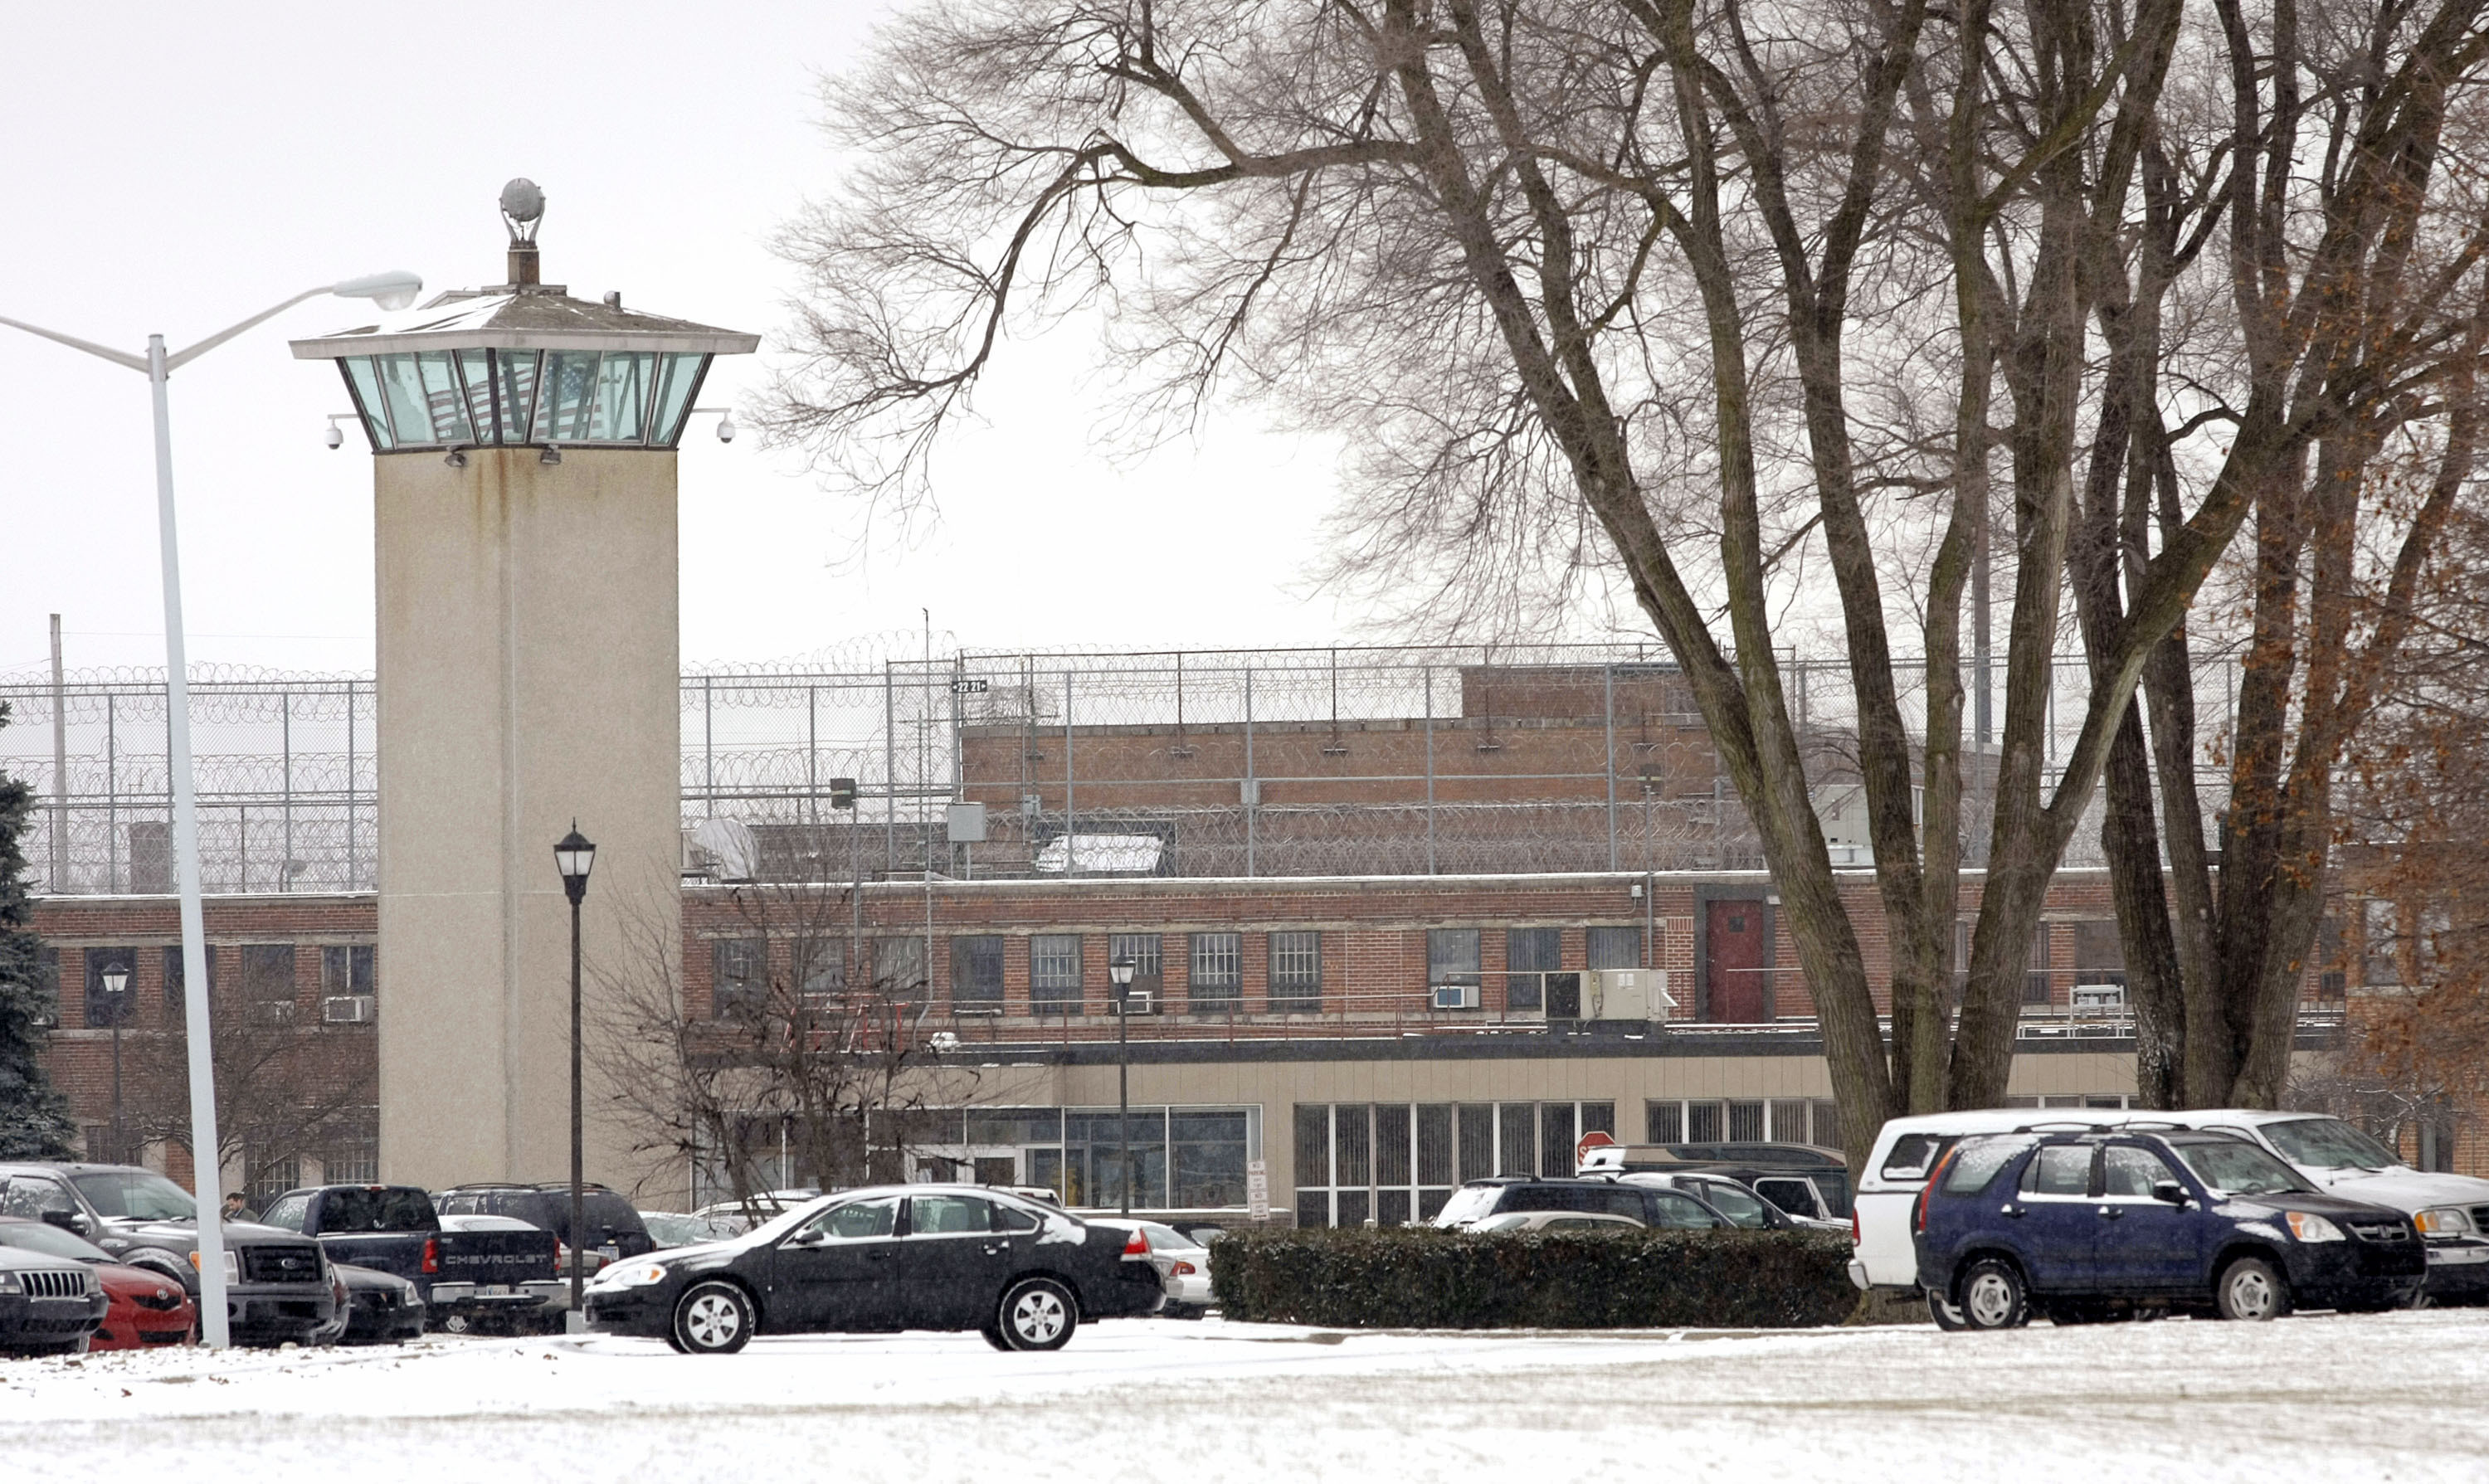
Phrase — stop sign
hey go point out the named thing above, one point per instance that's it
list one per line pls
(1591, 1140)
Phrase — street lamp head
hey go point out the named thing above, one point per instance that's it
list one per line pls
(1120, 970)
(576, 856)
(391, 291)
(116, 981)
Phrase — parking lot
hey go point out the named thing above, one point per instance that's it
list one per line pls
(2396, 1396)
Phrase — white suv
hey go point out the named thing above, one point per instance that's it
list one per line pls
(2452, 1211)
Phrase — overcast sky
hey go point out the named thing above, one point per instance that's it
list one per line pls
(176, 168)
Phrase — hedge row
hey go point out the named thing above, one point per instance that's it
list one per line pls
(1418, 1277)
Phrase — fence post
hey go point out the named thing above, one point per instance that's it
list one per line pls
(1612, 763)
(351, 877)
(1253, 786)
(285, 731)
(890, 776)
(1071, 841)
(111, 794)
(60, 852)
(1430, 767)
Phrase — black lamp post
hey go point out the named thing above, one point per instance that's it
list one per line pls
(576, 857)
(1119, 972)
(116, 986)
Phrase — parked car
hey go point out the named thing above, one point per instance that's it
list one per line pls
(373, 1309)
(2086, 1226)
(1649, 1204)
(1183, 1264)
(276, 1283)
(48, 1305)
(1559, 1221)
(501, 1280)
(143, 1309)
(674, 1229)
(615, 1229)
(1734, 1200)
(2450, 1210)
(1800, 1179)
(886, 1258)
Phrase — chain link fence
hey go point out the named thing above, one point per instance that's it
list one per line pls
(1276, 762)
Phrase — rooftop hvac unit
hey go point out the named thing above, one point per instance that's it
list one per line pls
(348, 1010)
(1456, 996)
(1629, 994)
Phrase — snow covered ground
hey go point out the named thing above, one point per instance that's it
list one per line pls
(2399, 1397)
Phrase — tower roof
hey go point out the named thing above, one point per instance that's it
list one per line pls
(529, 318)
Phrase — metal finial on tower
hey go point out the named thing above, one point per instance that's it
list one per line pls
(523, 204)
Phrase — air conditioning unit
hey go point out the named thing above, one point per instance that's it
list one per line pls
(1628, 994)
(349, 1010)
(1456, 996)
(1140, 1000)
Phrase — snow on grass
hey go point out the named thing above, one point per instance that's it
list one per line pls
(2400, 1396)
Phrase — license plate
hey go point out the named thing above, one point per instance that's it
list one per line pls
(493, 1290)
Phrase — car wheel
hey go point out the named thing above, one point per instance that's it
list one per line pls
(1946, 1313)
(713, 1319)
(457, 1324)
(1038, 1314)
(994, 1337)
(674, 1343)
(1992, 1296)
(2251, 1290)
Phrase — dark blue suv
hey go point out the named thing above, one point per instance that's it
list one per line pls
(2086, 1226)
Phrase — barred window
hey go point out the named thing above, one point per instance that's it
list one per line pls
(1614, 947)
(1529, 954)
(740, 983)
(267, 980)
(1452, 956)
(1218, 979)
(1054, 970)
(976, 972)
(1296, 971)
(347, 968)
(898, 967)
(821, 965)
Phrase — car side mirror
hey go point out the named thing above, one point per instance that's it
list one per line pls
(66, 1220)
(810, 1238)
(2169, 1190)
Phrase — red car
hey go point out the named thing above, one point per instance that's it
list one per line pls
(147, 1308)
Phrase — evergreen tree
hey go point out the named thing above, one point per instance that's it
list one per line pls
(34, 1117)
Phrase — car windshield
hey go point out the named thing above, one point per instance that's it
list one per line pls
(1467, 1204)
(50, 1241)
(2329, 1144)
(138, 1196)
(2239, 1169)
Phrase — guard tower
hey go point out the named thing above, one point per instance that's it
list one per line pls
(524, 490)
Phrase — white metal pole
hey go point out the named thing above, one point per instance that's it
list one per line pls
(206, 1178)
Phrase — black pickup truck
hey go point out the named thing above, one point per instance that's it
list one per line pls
(482, 1279)
(277, 1285)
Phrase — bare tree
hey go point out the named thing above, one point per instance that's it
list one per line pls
(284, 1090)
(806, 1049)
(1657, 290)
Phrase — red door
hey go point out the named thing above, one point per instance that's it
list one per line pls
(1733, 961)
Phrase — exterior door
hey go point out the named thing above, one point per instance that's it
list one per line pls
(954, 1262)
(2054, 1212)
(1733, 961)
(2141, 1242)
(840, 1270)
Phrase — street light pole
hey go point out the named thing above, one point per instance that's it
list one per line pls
(392, 291)
(576, 857)
(1119, 973)
(116, 984)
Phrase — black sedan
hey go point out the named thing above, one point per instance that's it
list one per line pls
(48, 1305)
(901, 1257)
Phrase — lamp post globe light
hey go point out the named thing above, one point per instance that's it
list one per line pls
(391, 291)
(575, 856)
(1119, 973)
